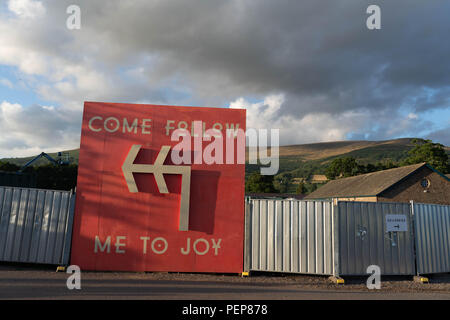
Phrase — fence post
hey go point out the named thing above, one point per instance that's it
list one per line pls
(413, 231)
(247, 234)
(413, 234)
(69, 228)
(335, 230)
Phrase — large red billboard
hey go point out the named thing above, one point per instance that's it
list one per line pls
(139, 208)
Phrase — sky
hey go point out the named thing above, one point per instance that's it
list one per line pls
(310, 68)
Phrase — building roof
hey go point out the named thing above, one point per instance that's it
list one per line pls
(319, 177)
(275, 195)
(364, 185)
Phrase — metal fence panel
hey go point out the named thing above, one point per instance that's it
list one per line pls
(35, 225)
(289, 236)
(364, 240)
(432, 223)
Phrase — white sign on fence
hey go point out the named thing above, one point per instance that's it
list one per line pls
(396, 223)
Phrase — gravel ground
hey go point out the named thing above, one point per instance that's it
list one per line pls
(44, 282)
(438, 283)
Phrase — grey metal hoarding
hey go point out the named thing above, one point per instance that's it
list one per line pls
(365, 238)
(289, 236)
(35, 225)
(432, 228)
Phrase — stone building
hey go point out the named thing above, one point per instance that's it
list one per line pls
(419, 182)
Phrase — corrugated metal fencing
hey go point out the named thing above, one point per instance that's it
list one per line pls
(289, 236)
(35, 225)
(432, 228)
(364, 239)
(344, 238)
(311, 237)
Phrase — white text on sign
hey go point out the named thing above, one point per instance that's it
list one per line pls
(158, 245)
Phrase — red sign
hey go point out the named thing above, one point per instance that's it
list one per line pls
(154, 191)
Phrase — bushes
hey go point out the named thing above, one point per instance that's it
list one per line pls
(56, 177)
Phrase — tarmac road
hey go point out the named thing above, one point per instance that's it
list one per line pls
(26, 283)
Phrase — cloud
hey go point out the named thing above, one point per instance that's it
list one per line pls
(308, 66)
(26, 8)
(321, 126)
(319, 54)
(442, 136)
(31, 130)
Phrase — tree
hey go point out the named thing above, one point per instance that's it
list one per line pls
(7, 166)
(282, 182)
(257, 183)
(342, 167)
(432, 153)
(312, 187)
(55, 177)
(301, 189)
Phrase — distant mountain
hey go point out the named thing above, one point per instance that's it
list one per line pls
(71, 154)
(366, 149)
(304, 158)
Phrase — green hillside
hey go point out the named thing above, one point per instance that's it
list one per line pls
(71, 154)
(306, 159)
(303, 160)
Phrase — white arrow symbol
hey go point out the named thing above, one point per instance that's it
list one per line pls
(158, 169)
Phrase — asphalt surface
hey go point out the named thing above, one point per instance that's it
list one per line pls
(29, 283)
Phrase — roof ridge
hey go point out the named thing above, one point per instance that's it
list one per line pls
(418, 165)
(367, 183)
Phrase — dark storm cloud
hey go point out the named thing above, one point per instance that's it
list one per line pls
(319, 53)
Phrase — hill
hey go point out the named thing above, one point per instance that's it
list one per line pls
(367, 150)
(72, 154)
(313, 158)
(305, 159)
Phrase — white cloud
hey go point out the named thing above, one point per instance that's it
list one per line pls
(262, 114)
(29, 131)
(209, 53)
(26, 8)
(312, 127)
(322, 126)
(15, 50)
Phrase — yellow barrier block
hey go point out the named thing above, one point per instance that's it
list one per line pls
(61, 268)
(336, 280)
(421, 279)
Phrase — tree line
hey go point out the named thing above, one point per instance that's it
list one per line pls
(423, 151)
(64, 177)
(50, 176)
